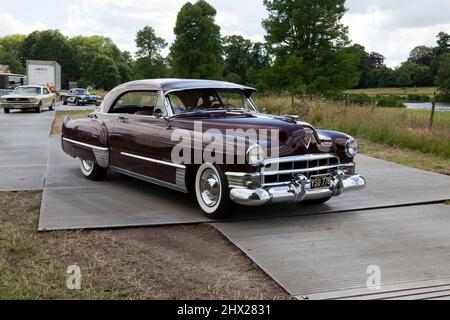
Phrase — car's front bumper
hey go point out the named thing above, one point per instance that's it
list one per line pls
(25, 105)
(297, 191)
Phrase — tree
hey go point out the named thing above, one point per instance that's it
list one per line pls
(148, 44)
(104, 73)
(421, 55)
(13, 44)
(243, 59)
(376, 60)
(237, 58)
(197, 49)
(443, 42)
(310, 44)
(404, 79)
(51, 45)
(88, 48)
(9, 59)
(150, 63)
(363, 66)
(443, 76)
(420, 75)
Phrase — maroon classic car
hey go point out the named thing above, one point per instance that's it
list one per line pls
(208, 138)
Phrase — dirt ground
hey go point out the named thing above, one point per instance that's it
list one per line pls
(178, 262)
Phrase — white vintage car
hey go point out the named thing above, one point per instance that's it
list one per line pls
(29, 97)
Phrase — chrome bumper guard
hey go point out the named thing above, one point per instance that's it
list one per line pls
(297, 191)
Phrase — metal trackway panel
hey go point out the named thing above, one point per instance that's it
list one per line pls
(24, 149)
(72, 202)
(328, 256)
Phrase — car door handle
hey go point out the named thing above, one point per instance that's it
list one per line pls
(123, 119)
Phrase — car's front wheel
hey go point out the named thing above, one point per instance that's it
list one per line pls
(52, 106)
(91, 170)
(6, 110)
(38, 109)
(211, 191)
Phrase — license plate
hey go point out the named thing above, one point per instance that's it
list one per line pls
(321, 182)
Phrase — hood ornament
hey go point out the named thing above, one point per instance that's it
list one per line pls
(307, 138)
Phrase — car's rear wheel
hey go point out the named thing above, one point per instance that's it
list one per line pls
(64, 101)
(6, 110)
(211, 191)
(91, 170)
(77, 102)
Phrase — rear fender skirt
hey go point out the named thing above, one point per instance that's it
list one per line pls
(86, 139)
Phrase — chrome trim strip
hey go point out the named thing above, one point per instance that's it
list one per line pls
(274, 173)
(86, 145)
(308, 157)
(179, 166)
(149, 179)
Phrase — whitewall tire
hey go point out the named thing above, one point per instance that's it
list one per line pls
(91, 170)
(212, 192)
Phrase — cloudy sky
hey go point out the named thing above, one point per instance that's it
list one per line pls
(391, 27)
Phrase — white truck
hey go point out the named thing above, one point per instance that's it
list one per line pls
(44, 73)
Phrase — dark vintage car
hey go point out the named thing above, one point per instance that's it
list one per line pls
(136, 131)
(80, 97)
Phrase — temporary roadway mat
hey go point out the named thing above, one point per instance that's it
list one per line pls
(24, 149)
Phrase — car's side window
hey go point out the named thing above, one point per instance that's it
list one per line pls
(177, 105)
(46, 91)
(136, 102)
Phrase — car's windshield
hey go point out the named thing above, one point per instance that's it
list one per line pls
(29, 91)
(81, 92)
(188, 101)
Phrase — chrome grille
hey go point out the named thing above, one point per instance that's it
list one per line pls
(18, 100)
(284, 170)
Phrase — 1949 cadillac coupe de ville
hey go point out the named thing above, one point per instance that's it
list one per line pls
(133, 131)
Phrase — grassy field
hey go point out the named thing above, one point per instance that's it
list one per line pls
(403, 128)
(429, 91)
(178, 262)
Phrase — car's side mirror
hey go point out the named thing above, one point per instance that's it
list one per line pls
(158, 113)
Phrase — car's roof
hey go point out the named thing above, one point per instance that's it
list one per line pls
(168, 85)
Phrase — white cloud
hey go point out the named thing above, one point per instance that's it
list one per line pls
(11, 25)
(392, 28)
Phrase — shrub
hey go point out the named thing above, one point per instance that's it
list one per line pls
(390, 102)
(417, 98)
(445, 98)
(360, 98)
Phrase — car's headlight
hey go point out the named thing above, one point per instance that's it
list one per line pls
(351, 148)
(3, 99)
(33, 100)
(256, 155)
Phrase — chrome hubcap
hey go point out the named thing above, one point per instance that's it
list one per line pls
(210, 188)
(87, 165)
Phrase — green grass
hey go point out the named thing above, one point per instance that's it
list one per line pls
(402, 128)
(429, 91)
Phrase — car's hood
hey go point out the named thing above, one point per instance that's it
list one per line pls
(294, 137)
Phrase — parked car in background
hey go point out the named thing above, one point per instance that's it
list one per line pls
(80, 97)
(133, 133)
(29, 97)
